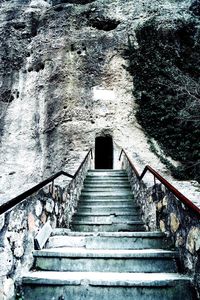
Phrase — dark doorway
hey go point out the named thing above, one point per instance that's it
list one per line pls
(103, 152)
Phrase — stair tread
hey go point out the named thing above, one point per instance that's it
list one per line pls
(103, 214)
(107, 222)
(129, 205)
(104, 278)
(110, 182)
(105, 170)
(107, 193)
(104, 253)
(112, 234)
(130, 200)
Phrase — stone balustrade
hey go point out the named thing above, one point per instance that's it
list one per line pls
(19, 227)
(161, 210)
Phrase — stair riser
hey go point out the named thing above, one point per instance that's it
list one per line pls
(106, 218)
(76, 264)
(107, 242)
(110, 182)
(107, 214)
(106, 196)
(72, 292)
(125, 243)
(107, 176)
(107, 209)
(90, 203)
(103, 171)
(106, 189)
(107, 184)
(111, 228)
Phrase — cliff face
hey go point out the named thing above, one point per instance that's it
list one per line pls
(65, 80)
(165, 66)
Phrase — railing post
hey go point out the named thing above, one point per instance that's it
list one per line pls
(121, 154)
(91, 154)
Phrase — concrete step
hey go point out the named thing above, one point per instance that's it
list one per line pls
(109, 188)
(117, 193)
(107, 183)
(111, 197)
(106, 170)
(97, 227)
(130, 208)
(106, 180)
(114, 206)
(100, 260)
(107, 202)
(109, 240)
(104, 218)
(107, 213)
(107, 175)
(106, 286)
(106, 198)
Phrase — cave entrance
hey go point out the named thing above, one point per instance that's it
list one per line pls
(104, 152)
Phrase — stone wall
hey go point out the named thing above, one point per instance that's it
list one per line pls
(18, 227)
(161, 210)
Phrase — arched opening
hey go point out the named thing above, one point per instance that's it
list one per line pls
(104, 152)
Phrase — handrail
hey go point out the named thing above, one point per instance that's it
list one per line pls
(130, 162)
(170, 187)
(79, 168)
(18, 199)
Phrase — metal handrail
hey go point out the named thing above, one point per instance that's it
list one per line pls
(169, 186)
(18, 199)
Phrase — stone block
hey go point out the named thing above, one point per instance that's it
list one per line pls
(38, 208)
(165, 201)
(46, 189)
(8, 289)
(150, 199)
(162, 226)
(7, 258)
(56, 209)
(43, 218)
(193, 240)
(18, 251)
(31, 222)
(174, 222)
(17, 219)
(179, 240)
(17, 241)
(49, 205)
(159, 205)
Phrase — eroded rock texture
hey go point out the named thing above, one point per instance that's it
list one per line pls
(65, 80)
(165, 67)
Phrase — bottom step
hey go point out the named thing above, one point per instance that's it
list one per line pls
(105, 286)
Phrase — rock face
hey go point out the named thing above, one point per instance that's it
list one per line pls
(64, 81)
(165, 68)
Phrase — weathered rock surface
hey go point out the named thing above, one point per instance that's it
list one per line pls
(64, 81)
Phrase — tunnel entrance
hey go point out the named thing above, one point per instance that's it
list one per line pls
(104, 152)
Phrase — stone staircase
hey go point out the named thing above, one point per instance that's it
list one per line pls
(107, 254)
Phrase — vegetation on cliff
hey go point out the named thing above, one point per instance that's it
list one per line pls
(165, 65)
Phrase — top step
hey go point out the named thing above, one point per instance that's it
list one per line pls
(106, 173)
(107, 170)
